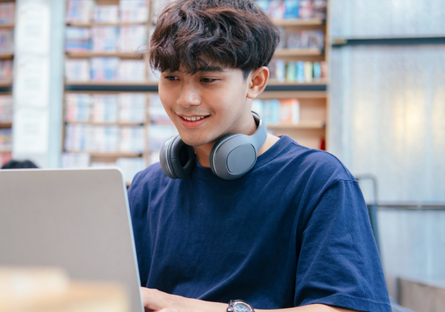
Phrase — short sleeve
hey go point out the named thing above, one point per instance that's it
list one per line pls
(138, 199)
(338, 263)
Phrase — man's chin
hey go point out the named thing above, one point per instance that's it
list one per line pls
(196, 142)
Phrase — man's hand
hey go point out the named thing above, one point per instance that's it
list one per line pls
(158, 301)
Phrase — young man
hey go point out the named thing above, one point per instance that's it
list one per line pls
(292, 233)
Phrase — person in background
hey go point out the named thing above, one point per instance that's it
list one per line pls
(291, 234)
(16, 164)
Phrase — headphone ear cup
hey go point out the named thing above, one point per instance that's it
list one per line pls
(177, 158)
(219, 157)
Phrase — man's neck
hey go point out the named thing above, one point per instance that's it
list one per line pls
(203, 152)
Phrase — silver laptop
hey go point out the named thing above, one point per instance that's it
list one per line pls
(77, 220)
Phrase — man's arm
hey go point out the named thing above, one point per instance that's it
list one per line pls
(158, 301)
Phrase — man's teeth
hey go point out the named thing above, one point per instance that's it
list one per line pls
(193, 118)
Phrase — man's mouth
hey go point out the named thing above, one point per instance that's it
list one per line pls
(194, 118)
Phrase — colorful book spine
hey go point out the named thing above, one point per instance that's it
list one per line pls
(7, 13)
(5, 108)
(5, 140)
(285, 111)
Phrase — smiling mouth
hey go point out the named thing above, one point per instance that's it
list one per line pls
(192, 119)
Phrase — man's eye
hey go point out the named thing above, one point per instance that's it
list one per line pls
(208, 79)
(170, 78)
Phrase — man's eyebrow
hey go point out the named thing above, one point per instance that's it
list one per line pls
(210, 68)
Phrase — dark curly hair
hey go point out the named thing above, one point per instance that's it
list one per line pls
(231, 33)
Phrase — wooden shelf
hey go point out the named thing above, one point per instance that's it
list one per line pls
(5, 125)
(120, 124)
(7, 83)
(302, 125)
(113, 83)
(297, 52)
(111, 155)
(119, 24)
(275, 82)
(6, 56)
(293, 94)
(299, 22)
(130, 55)
(3, 26)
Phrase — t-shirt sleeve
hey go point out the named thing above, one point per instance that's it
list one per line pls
(138, 199)
(338, 263)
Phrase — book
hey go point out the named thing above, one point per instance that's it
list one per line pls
(75, 160)
(308, 72)
(104, 139)
(6, 41)
(291, 73)
(132, 37)
(317, 71)
(157, 112)
(289, 111)
(104, 68)
(78, 107)
(105, 108)
(131, 70)
(271, 112)
(7, 13)
(77, 39)
(158, 134)
(306, 9)
(134, 10)
(132, 107)
(257, 107)
(6, 108)
(5, 140)
(5, 157)
(324, 70)
(132, 139)
(306, 39)
(106, 14)
(291, 9)
(276, 9)
(130, 167)
(77, 70)
(104, 38)
(300, 72)
(6, 70)
(158, 6)
(80, 11)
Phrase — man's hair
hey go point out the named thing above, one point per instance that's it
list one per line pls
(15, 164)
(196, 34)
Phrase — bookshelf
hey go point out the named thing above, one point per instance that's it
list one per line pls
(100, 102)
(7, 24)
(299, 71)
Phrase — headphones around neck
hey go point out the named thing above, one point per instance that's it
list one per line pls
(231, 157)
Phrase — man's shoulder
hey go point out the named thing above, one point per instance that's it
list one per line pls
(151, 176)
(315, 162)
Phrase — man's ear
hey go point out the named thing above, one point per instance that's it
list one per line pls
(257, 81)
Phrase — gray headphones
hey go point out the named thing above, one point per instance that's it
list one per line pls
(231, 157)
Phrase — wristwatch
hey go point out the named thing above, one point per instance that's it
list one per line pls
(239, 306)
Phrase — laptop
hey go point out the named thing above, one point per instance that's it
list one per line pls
(77, 220)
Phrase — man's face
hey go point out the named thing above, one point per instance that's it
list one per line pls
(207, 105)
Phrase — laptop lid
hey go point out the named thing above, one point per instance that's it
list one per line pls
(77, 220)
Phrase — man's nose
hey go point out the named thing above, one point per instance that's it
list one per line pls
(189, 95)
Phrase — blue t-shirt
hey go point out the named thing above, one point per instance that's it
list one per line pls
(293, 231)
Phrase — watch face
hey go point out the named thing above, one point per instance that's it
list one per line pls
(241, 307)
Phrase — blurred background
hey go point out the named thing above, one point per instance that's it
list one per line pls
(363, 80)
